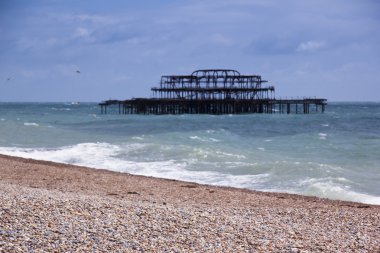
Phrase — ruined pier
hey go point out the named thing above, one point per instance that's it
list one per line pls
(214, 91)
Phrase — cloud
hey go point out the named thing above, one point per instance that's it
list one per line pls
(83, 18)
(221, 39)
(310, 46)
(81, 32)
(27, 43)
(272, 46)
(143, 39)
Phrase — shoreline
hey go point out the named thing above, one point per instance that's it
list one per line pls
(47, 182)
(85, 169)
(165, 214)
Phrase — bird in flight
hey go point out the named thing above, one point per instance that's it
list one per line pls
(9, 78)
(78, 72)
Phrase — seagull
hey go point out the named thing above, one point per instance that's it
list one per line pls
(6, 80)
(78, 72)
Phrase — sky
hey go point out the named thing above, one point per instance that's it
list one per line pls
(316, 48)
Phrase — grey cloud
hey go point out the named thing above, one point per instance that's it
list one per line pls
(272, 46)
(305, 40)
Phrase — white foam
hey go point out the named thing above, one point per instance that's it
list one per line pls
(333, 191)
(225, 154)
(312, 181)
(60, 109)
(122, 158)
(203, 139)
(89, 153)
(105, 156)
(31, 124)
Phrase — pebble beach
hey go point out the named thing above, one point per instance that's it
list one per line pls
(52, 207)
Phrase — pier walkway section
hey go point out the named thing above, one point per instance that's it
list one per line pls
(214, 91)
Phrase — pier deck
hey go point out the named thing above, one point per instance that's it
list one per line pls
(178, 106)
(216, 91)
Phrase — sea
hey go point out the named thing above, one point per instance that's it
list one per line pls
(333, 155)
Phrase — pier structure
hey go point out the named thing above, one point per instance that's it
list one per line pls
(214, 91)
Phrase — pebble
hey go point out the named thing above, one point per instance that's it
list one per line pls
(33, 219)
(49, 207)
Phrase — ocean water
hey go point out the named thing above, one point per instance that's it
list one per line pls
(333, 155)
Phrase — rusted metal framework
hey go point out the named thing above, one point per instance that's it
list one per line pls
(213, 84)
(213, 91)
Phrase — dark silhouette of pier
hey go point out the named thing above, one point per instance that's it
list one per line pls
(214, 91)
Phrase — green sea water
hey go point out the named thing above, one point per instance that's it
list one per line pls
(334, 155)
